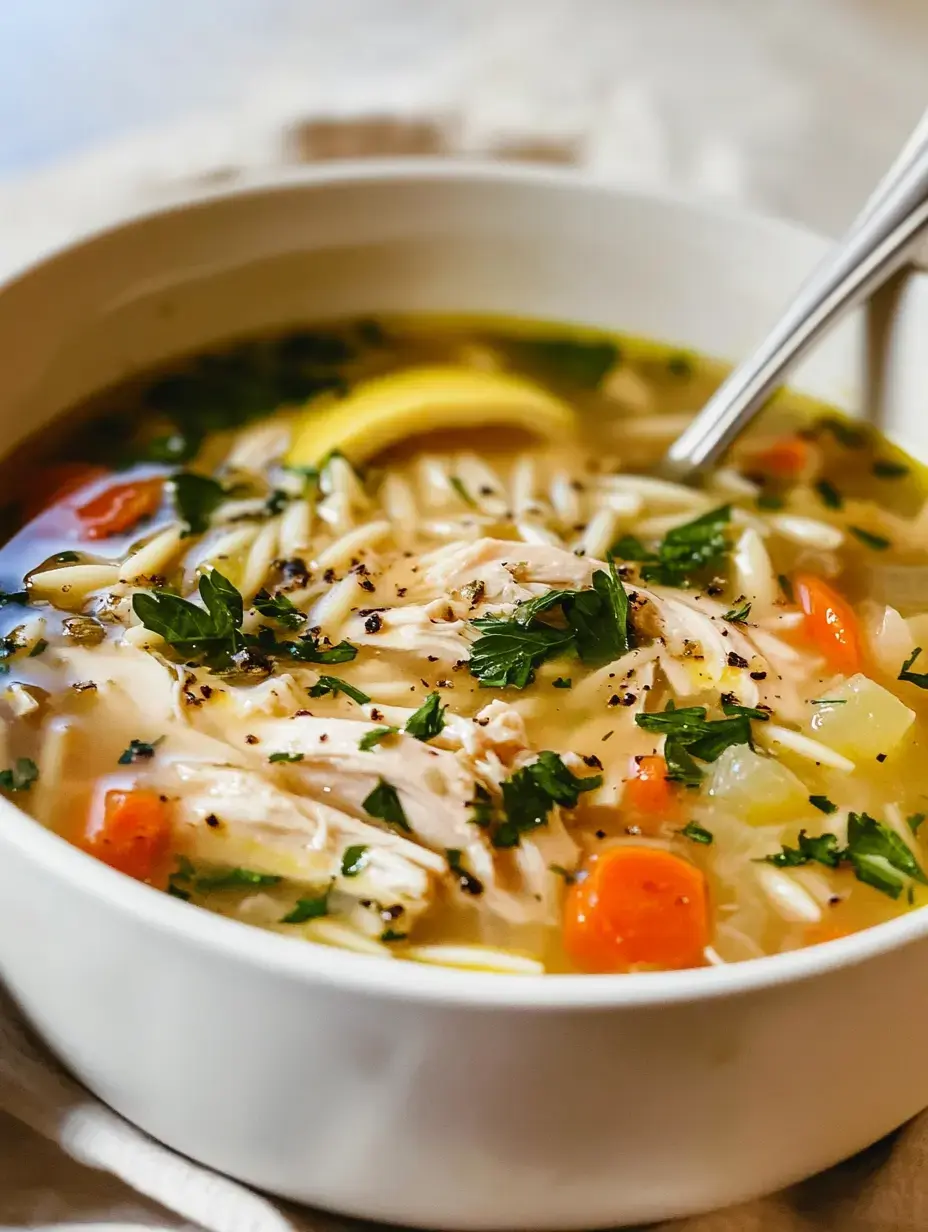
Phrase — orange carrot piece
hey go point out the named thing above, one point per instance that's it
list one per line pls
(818, 934)
(134, 835)
(637, 906)
(649, 793)
(119, 508)
(830, 623)
(788, 457)
(54, 484)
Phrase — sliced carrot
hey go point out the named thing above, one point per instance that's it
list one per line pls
(134, 835)
(54, 484)
(119, 508)
(787, 457)
(830, 623)
(637, 906)
(649, 793)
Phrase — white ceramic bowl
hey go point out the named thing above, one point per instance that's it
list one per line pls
(390, 1090)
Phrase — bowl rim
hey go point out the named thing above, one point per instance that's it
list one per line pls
(293, 958)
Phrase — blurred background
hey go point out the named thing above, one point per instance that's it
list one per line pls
(788, 106)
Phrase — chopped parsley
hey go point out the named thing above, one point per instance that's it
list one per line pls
(697, 833)
(738, 615)
(335, 685)
(828, 701)
(306, 649)
(459, 487)
(878, 542)
(884, 468)
(562, 682)
(630, 547)
(374, 737)
(213, 629)
(482, 804)
(384, 803)
(829, 494)
(234, 879)
(573, 360)
(285, 757)
(307, 909)
(770, 501)
(279, 608)
(917, 678)
(196, 498)
(23, 774)
(597, 623)
(689, 734)
(877, 855)
(138, 750)
(689, 550)
(787, 587)
(391, 934)
(823, 804)
(353, 860)
(531, 793)
(39, 648)
(845, 433)
(429, 720)
(915, 821)
(749, 712)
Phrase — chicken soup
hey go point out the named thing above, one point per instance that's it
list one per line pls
(382, 635)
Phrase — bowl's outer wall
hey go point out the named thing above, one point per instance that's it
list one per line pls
(416, 1111)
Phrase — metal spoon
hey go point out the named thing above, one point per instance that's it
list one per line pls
(872, 250)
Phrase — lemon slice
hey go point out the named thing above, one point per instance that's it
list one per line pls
(384, 410)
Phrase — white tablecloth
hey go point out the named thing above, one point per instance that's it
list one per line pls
(788, 106)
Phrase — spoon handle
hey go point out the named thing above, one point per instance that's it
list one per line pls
(872, 250)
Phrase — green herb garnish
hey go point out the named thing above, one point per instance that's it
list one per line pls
(374, 737)
(829, 494)
(823, 849)
(690, 549)
(234, 879)
(482, 804)
(353, 860)
(697, 833)
(878, 542)
(531, 793)
(459, 487)
(196, 498)
(884, 468)
(307, 909)
(334, 684)
(190, 629)
(384, 803)
(770, 502)
(917, 678)
(823, 804)
(429, 720)
(738, 615)
(391, 934)
(138, 750)
(690, 734)
(562, 682)
(39, 648)
(21, 777)
(285, 757)
(915, 820)
(279, 608)
(787, 587)
(569, 359)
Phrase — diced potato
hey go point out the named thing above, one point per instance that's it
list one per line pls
(759, 789)
(864, 720)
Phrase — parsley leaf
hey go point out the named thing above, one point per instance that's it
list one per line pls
(916, 678)
(428, 720)
(680, 766)
(196, 498)
(562, 682)
(482, 804)
(234, 879)
(822, 848)
(285, 757)
(384, 803)
(190, 629)
(630, 547)
(915, 821)
(878, 542)
(531, 793)
(39, 648)
(333, 684)
(599, 618)
(823, 804)
(354, 860)
(138, 750)
(749, 712)
(884, 468)
(689, 549)
(574, 360)
(699, 834)
(829, 494)
(690, 734)
(507, 653)
(21, 777)
(738, 615)
(306, 649)
(878, 855)
(462, 491)
(279, 608)
(307, 909)
(374, 737)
